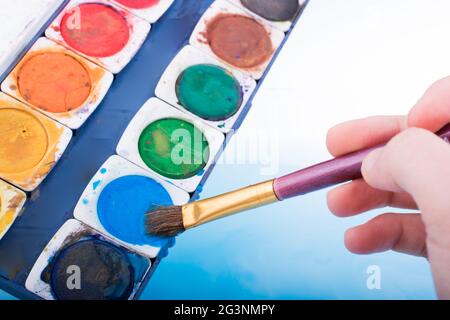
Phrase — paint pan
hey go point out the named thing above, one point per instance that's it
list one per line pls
(30, 144)
(58, 83)
(116, 200)
(149, 10)
(11, 204)
(104, 33)
(197, 83)
(238, 38)
(279, 13)
(171, 144)
(20, 21)
(80, 264)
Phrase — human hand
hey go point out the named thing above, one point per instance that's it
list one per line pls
(412, 171)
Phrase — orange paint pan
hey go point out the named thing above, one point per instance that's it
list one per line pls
(58, 83)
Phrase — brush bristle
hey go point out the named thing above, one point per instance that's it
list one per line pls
(165, 221)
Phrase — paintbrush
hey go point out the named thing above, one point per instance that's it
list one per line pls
(171, 221)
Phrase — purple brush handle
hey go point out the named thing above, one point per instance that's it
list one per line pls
(329, 173)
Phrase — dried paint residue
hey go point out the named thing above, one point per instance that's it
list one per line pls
(138, 4)
(23, 141)
(97, 30)
(11, 202)
(6, 220)
(54, 82)
(239, 40)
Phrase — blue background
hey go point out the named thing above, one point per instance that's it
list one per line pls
(291, 250)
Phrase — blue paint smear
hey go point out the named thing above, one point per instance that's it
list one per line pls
(122, 206)
(96, 184)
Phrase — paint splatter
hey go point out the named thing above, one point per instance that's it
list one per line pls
(97, 30)
(209, 92)
(96, 184)
(239, 40)
(122, 206)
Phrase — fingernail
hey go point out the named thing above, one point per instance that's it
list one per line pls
(370, 162)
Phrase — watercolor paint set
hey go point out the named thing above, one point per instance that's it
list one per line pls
(110, 108)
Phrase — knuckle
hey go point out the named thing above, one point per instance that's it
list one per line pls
(404, 146)
(408, 139)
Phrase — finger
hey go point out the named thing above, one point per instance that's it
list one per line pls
(357, 197)
(399, 232)
(417, 162)
(359, 134)
(432, 111)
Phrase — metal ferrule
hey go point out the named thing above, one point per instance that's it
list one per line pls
(200, 212)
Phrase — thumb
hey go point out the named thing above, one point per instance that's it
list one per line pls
(418, 162)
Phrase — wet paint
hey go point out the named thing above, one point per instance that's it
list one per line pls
(54, 82)
(97, 214)
(174, 148)
(102, 32)
(239, 40)
(123, 203)
(209, 92)
(23, 141)
(273, 10)
(105, 270)
(138, 4)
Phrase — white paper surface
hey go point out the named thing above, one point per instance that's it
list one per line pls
(20, 21)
